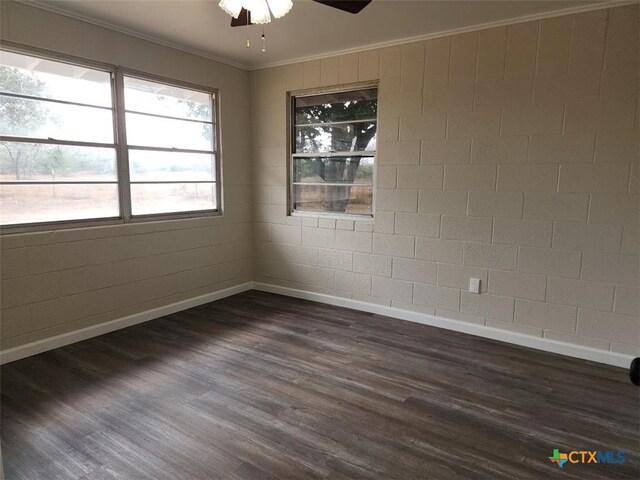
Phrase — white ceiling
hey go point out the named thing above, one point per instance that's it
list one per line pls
(308, 30)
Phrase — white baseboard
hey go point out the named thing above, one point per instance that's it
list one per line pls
(563, 348)
(40, 346)
(545, 344)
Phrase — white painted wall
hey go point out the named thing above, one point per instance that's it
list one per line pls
(508, 154)
(62, 281)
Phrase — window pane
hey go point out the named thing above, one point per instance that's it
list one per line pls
(333, 199)
(38, 77)
(34, 162)
(41, 119)
(336, 107)
(175, 197)
(336, 138)
(149, 131)
(334, 170)
(150, 97)
(48, 203)
(168, 166)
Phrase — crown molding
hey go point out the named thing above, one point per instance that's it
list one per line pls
(41, 4)
(47, 6)
(454, 31)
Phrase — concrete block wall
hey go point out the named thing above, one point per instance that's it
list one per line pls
(57, 282)
(508, 154)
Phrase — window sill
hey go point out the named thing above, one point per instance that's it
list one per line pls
(104, 222)
(335, 216)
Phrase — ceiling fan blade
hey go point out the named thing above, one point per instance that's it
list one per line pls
(351, 6)
(244, 18)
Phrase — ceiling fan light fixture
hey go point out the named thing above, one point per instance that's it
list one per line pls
(259, 11)
(279, 8)
(231, 7)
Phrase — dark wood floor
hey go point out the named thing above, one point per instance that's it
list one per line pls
(259, 386)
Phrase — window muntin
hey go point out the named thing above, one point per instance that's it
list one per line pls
(62, 159)
(333, 152)
(57, 142)
(176, 128)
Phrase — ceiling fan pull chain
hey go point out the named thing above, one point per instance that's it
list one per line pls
(264, 41)
(248, 22)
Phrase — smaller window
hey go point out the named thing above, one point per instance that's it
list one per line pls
(333, 152)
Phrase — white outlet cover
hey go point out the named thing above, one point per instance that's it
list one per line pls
(474, 285)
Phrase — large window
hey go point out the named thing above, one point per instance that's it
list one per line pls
(69, 152)
(333, 151)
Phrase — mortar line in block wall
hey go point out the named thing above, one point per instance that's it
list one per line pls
(506, 49)
(449, 62)
(564, 119)
(620, 242)
(476, 42)
(604, 50)
(546, 288)
(572, 39)
(535, 66)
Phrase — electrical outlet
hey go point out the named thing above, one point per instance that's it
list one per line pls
(474, 285)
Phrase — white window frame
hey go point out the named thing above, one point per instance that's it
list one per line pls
(117, 75)
(291, 124)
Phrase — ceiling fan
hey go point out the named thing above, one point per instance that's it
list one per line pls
(350, 6)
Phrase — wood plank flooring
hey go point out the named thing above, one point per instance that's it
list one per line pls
(260, 386)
